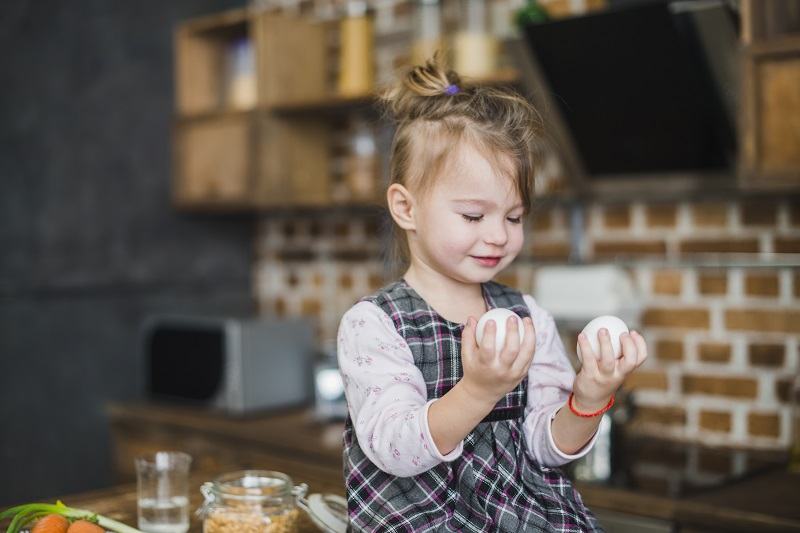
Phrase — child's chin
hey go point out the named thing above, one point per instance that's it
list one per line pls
(486, 275)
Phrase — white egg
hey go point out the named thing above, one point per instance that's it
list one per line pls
(500, 317)
(615, 327)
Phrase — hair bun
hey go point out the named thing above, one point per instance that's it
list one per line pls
(411, 96)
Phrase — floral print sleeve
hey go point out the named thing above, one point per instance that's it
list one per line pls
(550, 381)
(386, 394)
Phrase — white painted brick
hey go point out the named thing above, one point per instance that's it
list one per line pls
(792, 353)
(717, 317)
(690, 293)
(766, 389)
(674, 374)
(645, 278)
(765, 245)
(785, 414)
(739, 421)
(785, 295)
(693, 416)
(736, 285)
(739, 361)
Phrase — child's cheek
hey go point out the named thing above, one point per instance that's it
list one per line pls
(515, 242)
(455, 246)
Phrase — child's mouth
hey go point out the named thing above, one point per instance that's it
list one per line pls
(487, 261)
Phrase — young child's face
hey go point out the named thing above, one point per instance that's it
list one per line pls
(470, 224)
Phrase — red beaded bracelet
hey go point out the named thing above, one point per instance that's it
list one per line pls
(589, 415)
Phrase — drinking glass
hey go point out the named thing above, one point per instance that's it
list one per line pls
(162, 480)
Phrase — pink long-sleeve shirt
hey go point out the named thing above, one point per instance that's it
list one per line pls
(387, 398)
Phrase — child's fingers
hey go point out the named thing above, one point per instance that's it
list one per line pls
(526, 350)
(608, 358)
(529, 339)
(511, 348)
(588, 357)
(641, 348)
(629, 353)
(486, 353)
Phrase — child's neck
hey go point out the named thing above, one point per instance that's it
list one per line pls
(452, 299)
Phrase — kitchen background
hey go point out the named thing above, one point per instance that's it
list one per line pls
(93, 244)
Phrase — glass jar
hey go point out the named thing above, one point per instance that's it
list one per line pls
(356, 50)
(427, 31)
(475, 50)
(265, 501)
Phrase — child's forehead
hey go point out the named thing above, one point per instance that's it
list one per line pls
(469, 177)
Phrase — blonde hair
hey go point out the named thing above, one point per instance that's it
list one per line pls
(434, 112)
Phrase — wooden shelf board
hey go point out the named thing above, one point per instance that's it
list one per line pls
(330, 103)
(779, 45)
(217, 114)
(216, 21)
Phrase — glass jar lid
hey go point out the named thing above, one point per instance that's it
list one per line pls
(270, 493)
(263, 488)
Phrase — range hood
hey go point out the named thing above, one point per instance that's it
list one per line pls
(643, 90)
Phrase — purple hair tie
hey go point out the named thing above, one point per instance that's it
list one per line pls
(452, 89)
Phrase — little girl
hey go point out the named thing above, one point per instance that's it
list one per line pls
(445, 433)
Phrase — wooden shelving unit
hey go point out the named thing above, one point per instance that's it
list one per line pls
(277, 153)
(235, 157)
(770, 97)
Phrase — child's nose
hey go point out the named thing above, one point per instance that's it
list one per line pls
(496, 234)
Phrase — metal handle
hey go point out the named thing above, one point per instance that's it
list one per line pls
(208, 499)
(299, 491)
(328, 512)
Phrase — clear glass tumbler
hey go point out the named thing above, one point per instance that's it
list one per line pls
(163, 492)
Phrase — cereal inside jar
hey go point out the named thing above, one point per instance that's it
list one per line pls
(251, 501)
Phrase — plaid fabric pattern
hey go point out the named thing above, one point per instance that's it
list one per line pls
(494, 486)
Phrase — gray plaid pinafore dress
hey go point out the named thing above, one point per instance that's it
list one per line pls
(494, 486)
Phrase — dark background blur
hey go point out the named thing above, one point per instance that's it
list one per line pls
(90, 244)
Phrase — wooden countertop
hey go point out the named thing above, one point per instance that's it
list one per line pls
(311, 452)
(294, 432)
(119, 503)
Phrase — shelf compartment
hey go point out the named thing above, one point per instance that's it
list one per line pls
(292, 59)
(770, 148)
(213, 161)
(293, 161)
(203, 52)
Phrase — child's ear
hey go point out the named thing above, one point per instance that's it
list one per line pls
(401, 206)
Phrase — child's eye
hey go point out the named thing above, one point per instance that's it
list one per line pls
(516, 220)
(470, 218)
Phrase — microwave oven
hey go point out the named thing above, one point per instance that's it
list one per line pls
(235, 365)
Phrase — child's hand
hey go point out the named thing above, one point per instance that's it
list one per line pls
(599, 378)
(489, 375)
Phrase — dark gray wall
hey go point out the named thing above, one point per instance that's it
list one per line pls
(89, 244)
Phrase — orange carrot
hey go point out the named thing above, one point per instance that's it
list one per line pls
(52, 523)
(82, 526)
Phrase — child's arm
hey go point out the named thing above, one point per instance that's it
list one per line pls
(386, 394)
(598, 379)
(553, 434)
(487, 378)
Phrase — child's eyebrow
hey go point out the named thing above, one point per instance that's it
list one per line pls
(477, 201)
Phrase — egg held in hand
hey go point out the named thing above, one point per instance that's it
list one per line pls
(500, 317)
(615, 327)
